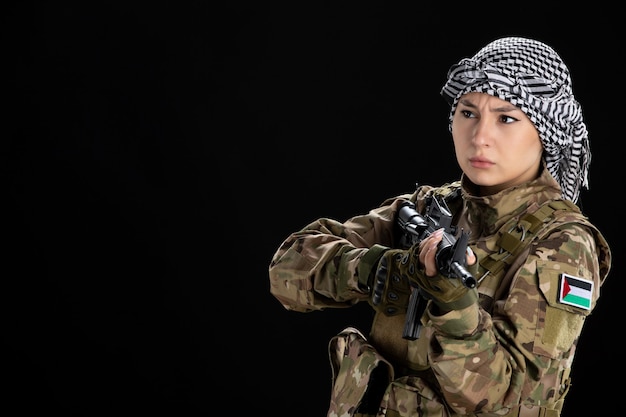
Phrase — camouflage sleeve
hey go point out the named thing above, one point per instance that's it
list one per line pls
(523, 351)
(318, 266)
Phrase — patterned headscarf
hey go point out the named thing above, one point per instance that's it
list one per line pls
(531, 76)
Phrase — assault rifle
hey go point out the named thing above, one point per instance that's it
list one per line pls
(450, 256)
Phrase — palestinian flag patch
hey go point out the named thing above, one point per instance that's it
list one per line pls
(575, 291)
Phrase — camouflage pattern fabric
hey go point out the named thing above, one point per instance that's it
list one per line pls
(486, 359)
(353, 362)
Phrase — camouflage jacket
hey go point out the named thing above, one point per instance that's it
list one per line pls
(516, 346)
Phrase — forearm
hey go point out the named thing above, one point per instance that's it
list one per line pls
(319, 266)
(319, 277)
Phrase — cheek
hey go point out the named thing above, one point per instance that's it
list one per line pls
(460, 150)
(456, 135)
(458, 139)
(535, 148)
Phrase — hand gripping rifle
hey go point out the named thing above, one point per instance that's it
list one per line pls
(450, 256)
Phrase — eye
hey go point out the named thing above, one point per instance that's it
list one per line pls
(467, 114)
(507, 119)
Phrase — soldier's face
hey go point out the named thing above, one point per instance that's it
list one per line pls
(496, 144)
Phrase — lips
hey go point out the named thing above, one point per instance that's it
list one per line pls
(479, 162)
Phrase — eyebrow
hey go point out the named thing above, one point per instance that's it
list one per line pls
(501, 109)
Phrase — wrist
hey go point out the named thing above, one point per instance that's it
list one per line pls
(468, 298)
(455, 323)
(368, 266)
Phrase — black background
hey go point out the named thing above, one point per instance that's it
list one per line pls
(156, 154)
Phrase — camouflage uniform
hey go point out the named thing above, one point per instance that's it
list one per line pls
(514, 348)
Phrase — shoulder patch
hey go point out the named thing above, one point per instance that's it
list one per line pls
(575, 291)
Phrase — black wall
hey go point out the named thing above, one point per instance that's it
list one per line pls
(155, 156)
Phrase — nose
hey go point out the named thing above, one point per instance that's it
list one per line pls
(482, 132)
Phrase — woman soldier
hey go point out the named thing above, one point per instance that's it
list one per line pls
(499, 329)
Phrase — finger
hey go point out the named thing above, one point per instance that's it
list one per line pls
(430, 265)
(429, 244)
(424, 248)
(437, 234)
(435, 237)
(470, 256)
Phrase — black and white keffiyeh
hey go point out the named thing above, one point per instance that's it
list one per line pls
(531, 75)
